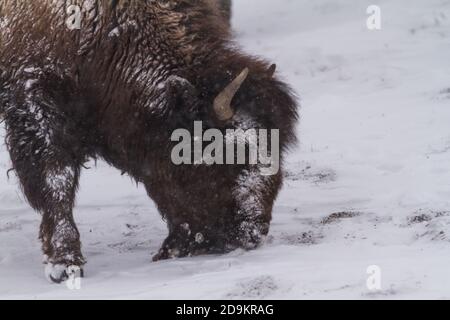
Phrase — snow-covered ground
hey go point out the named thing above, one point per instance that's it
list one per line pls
(368, 185)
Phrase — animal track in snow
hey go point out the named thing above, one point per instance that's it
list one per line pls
(337, 217)
(257, 288)
(306, 172)
(10, 226)
(430, 225)
(304, 238)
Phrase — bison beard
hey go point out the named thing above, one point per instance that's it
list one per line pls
(116, 89)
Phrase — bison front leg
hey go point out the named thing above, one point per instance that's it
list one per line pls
(49, 174)
(50, 184)
(58, 233)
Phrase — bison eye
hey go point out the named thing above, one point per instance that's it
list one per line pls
(181, 94)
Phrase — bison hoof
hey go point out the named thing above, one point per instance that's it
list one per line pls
(167, 254)
(58, 273)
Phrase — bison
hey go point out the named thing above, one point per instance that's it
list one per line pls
(112, 80)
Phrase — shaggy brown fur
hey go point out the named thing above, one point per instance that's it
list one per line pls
(225, 6)
(116, 89)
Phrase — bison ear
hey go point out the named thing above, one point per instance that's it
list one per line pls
(181, 94)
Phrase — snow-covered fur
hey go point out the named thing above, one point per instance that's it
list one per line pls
(116, 89)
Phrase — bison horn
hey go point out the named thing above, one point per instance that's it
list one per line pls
(271, 71)
(222, 103)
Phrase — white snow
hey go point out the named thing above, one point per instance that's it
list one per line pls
(375, 143)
